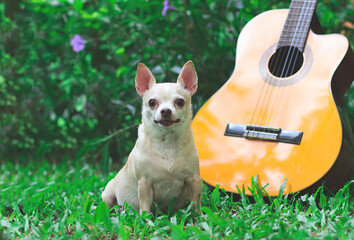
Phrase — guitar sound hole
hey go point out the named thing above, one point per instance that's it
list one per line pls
(285, 62)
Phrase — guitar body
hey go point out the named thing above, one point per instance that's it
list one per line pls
(302, 102)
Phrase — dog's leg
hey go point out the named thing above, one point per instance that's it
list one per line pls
(194, 190)
(145, 195)
(108, 195)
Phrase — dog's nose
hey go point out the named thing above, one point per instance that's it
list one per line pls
(166, 112)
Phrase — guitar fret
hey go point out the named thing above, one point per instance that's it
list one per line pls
(294, 35)
(295, 25)
(300, 46)
(297, 14)
(297, 4)
(301, 14)
(296, 41)
(283, 42)
(294, 30)
(297, 19)
(294, 2)
(302, 8)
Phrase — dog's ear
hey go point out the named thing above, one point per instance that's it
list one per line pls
(188, 77)
(143, 79)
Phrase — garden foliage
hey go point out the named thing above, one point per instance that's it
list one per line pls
(39, 200)
(54, 97)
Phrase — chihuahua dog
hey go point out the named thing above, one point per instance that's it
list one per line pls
(163, 164)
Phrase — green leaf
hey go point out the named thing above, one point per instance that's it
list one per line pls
(281, 190)
(323, 199)
(211, 215)
(61, 122)
(88, 204)
(102, 215)
(78, 5)
(120, 71)
(81, 103)
(66, 85)
(120, 51)
(2, 80)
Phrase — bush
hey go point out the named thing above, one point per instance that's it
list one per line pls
(53, 100)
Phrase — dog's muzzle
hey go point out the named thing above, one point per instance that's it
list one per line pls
(167, 122)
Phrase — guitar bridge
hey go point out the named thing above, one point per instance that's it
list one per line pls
(263, 133)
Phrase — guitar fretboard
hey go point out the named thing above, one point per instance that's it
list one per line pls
(297, 24)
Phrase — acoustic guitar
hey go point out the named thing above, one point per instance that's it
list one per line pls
(277, 117)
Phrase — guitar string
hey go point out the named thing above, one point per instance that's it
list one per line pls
(265, 92)
(255, 120)
(267, 85)
(290, 69)
(289, 63)
(305, 25)
(271, 84)
(280, 84)
(287, 67)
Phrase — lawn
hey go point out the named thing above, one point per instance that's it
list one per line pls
(57, 100)
(39, 200)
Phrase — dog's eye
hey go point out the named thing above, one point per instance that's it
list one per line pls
(180, 102)
(152, 102)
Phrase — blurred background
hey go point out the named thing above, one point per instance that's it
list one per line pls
(67, 67)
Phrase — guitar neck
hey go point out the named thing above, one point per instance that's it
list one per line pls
(297, 24)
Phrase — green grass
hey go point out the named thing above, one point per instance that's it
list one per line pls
(62, 201)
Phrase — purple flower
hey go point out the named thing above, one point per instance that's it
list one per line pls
(239, 4)
(77, 43)
(166, 7)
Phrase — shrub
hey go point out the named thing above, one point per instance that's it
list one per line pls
(53, 100)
